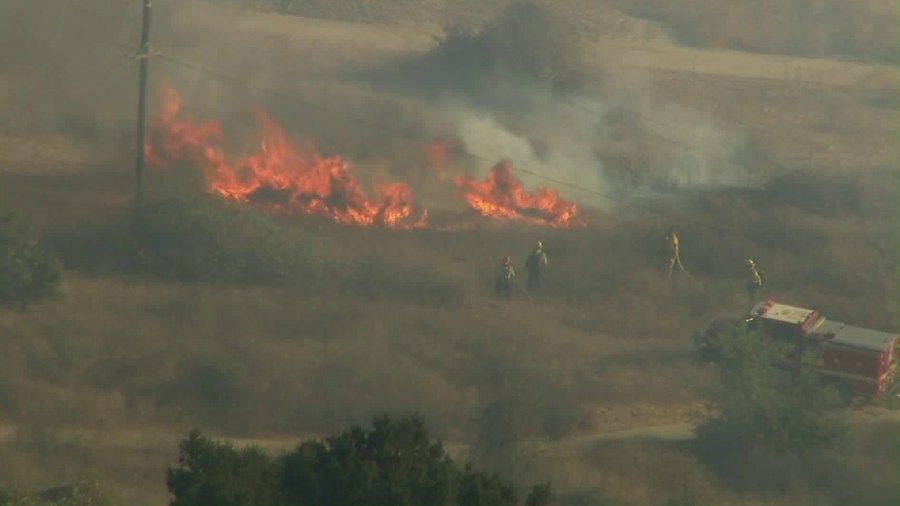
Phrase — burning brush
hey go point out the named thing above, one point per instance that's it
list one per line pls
(285, 178)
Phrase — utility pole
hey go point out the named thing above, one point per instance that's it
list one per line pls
(142, 56)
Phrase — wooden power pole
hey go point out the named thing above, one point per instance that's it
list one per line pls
(143, 56)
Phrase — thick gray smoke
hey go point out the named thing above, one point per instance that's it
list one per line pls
(560, 157)
(538, 131)
(571, 138)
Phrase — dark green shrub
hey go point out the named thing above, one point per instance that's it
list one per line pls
(395, 463)
(761, 402)
(201, 237)
(540, 495)
(215, 474)
(527, 40)
(480, 489)
(28, 271)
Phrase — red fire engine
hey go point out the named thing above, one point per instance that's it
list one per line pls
(863, 361)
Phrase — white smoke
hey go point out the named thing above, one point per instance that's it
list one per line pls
(706, 154)
(565, 138)
(551, 140)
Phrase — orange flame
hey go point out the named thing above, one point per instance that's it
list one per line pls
(501, 195)
(302, 180)
(307, 182)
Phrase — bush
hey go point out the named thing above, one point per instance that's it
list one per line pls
(539, 496)
(201, 237)
(480, 489)
(214, 474)
(760, 403)
(28, 271)
(532, 40)
(393, 464)
(527, 40)
(84, 492)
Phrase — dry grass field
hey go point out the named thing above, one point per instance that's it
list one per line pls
(100, 383)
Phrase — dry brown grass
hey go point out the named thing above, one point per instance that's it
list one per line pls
(409, 323)
(865, 30)
(607, 330)
(800, 122)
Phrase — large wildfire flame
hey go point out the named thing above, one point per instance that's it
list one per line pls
(305, 181)
(302, 180)
(501, 195)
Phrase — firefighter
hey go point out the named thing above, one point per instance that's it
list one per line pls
(535, 264)
(674, 257)
(504, 280)
(755, 281)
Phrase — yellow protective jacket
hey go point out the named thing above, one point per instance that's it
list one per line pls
(755, 277)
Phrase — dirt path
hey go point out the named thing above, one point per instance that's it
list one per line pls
(662, 56)
(144, 438)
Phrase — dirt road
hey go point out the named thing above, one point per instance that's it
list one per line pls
(150, 438)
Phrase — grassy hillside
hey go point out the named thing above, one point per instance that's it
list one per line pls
(412, 325)
(271, 327)
(835, 28)
(865, 30)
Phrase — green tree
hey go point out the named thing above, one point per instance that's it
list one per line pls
(28, 271)
(394, 464)
(763, 400)
(540, 495)
(481, 489)
(532, 40)
(214, 474)
(527, 40)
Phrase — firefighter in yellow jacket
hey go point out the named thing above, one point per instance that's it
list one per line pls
(504, 280)
(755, 281)
(535, 264)
(674, 257)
